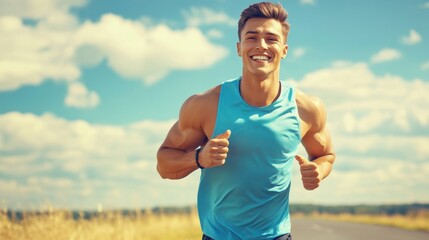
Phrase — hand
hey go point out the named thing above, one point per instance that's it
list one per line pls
(215, 151)
(310, 172)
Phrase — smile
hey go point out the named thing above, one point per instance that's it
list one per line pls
(260, 58)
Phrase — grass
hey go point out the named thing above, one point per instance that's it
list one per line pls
(113, 225)
(107, 226)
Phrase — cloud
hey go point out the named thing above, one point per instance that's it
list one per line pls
(413, 38)
(376, 121)
(75, 158)
(360, 94)
(378, 178)
(78, 96)
(385, 55)
(33, 55)
(204, 16)
(151, 52)
(57, 46)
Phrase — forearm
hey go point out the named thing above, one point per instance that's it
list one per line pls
(325, 164)
(174, 163)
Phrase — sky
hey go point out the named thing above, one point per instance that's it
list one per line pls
(90, 88)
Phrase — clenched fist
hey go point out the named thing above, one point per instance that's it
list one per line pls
(310, 172)
(215, 151)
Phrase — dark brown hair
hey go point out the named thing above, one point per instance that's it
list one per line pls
(264, 10)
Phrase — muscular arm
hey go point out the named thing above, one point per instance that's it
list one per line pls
(316, 141)
(176, 156)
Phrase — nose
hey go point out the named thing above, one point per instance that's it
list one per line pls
(261, 44)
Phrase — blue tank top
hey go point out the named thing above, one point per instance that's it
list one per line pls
(248, 197)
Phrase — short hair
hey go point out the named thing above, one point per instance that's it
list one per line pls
(264, 10)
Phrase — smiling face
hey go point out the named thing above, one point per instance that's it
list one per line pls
(262, 46)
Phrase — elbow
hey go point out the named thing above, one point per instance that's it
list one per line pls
(161, 173)
(167, 175)
(167, 169)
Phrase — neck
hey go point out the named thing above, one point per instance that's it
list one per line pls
(259, 92)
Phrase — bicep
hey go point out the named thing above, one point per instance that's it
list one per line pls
(317, 141)
(183, 138)
(186, 134)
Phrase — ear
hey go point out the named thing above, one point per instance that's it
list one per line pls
(238, 49)
(285, 48)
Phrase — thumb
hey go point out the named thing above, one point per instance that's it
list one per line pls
(224, 135)
(301, 160)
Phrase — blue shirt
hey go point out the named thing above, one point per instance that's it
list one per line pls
(248, 197)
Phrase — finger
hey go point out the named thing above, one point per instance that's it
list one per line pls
(220, 156)
(313, 174)
(219, 143)
(220, 150)
(311, 186)
(224, 135)
(309, 166)
(301, 160)
(310, 180)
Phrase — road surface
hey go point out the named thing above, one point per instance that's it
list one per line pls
(309, 229)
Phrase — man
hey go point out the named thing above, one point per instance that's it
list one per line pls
(244, 135)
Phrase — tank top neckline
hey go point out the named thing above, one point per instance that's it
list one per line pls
(267, 107)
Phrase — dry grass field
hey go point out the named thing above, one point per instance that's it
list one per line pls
(115, 226)
(107, 226)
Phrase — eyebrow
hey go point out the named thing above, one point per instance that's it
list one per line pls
(268, 33)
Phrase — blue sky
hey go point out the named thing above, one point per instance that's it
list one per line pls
(89, 89)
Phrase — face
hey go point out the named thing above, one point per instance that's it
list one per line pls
(262, 46)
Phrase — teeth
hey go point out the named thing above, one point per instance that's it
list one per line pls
(260, 57)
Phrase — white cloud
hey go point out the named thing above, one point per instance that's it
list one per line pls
(205, 16)
(383, 180)
(307, 2)
(385, 55)
(299, 52)
(380, 127)
(92, 158)
(425, 66)
(150, 52)
(32, 55)
(368, 102)
(78, 96)
(57, 45)
(413, 38)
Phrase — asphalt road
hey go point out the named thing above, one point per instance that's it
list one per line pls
(308, 229)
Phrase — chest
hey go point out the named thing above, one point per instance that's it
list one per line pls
(277, 132)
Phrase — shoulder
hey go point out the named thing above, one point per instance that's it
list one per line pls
(311, 110)
(203, 100)
(199, 106)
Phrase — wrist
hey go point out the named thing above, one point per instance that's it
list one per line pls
(197, 158)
